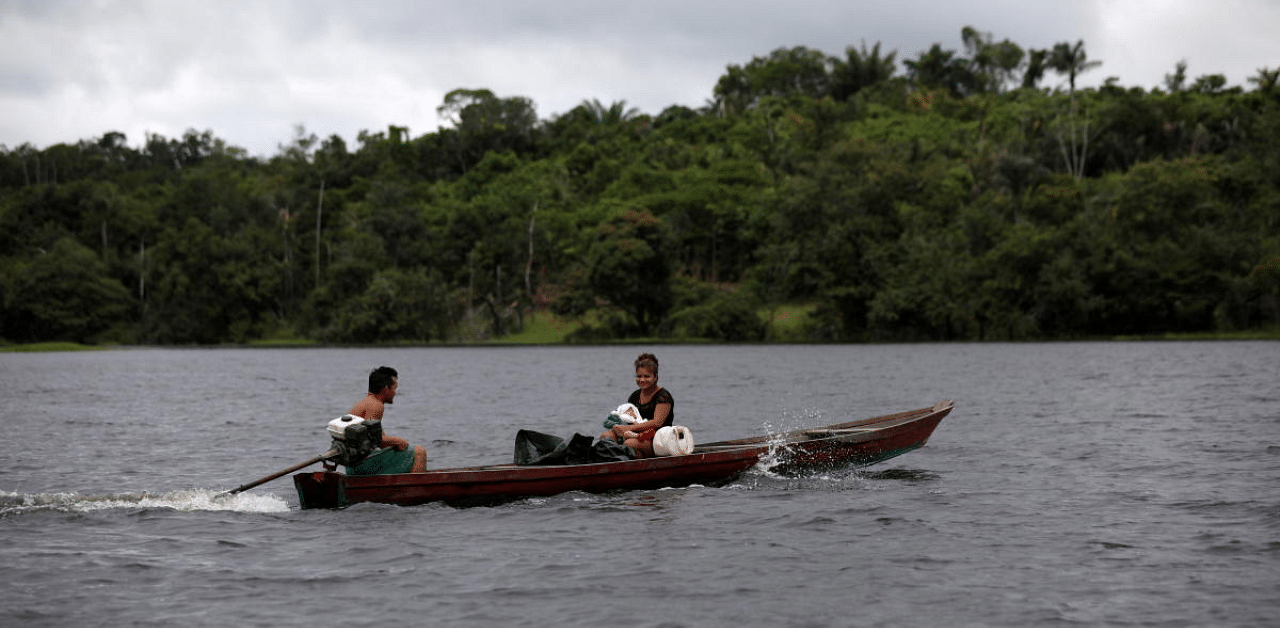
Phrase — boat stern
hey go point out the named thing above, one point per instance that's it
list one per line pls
(320, 489)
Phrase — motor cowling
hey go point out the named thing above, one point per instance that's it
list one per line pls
(354, 438)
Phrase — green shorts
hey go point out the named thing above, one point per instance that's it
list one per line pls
(385, 462)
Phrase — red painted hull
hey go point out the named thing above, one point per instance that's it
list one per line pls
(857, 443)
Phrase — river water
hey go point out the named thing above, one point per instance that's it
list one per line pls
(1092, 484)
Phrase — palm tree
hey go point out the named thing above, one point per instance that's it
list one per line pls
(1071, 60)
(861, 70)
(616, 113)
(1266, 79)
(1073, 129)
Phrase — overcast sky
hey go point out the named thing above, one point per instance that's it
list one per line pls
(250, 71)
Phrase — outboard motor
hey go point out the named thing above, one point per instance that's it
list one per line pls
(354, 438)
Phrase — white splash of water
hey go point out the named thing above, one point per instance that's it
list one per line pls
(187, 500)
(775, 436)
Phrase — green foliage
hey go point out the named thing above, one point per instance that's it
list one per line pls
(1071, 60)
(484, 123)
(398, 304)
(994, 64)
(205, 288)
(60, 294)
(943, 69)
(786, 73)
(861, 69)
(711, 314)
(945, 202)
(628, 274)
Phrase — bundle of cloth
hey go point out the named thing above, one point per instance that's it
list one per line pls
(626, 413)
(536, 448)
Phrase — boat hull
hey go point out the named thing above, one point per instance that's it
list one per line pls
(852, 444)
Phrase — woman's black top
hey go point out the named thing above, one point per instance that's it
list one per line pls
(646, 410)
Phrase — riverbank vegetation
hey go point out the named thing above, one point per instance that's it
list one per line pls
(959, 195)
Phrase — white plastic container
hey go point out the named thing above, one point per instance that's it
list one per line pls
(674, 440)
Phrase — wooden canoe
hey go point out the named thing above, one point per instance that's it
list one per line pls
(852, 444)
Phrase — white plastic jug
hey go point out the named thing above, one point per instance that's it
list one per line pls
(674, 440)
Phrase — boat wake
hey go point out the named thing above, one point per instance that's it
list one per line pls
(185, 500)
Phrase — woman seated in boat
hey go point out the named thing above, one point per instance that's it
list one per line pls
(656, 406)
(384, 381)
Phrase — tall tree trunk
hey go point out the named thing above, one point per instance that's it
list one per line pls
(528, 266)
(319, 213)
(142, 271)
(1074, 143)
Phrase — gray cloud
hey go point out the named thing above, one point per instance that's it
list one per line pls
(252, 70)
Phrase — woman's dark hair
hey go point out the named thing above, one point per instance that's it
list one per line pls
(381, 377)
(649, 361)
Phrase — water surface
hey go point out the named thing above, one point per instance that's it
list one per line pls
(1120, 484)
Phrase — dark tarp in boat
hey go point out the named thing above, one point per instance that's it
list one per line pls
(536, 448)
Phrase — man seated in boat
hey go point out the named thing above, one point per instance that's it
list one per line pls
(656, 405)
(397, 457)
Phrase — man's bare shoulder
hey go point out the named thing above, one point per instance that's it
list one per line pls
(368, 408)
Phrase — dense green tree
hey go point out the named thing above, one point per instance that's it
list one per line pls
(994, 63)
(613, 126)
(206, 288)
(1037, 64)
(703, 311)
(1173, 251)
(942, 68)
(785, 73)
(64, 293)
(936, 205)
(413, 304)
(482, 122)
(1209, 84)
(629, 270)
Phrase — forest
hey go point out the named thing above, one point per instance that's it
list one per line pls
(971, 194)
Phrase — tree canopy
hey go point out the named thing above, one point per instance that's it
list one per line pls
(951, 198)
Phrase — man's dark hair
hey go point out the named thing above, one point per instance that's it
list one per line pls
(381, 377)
